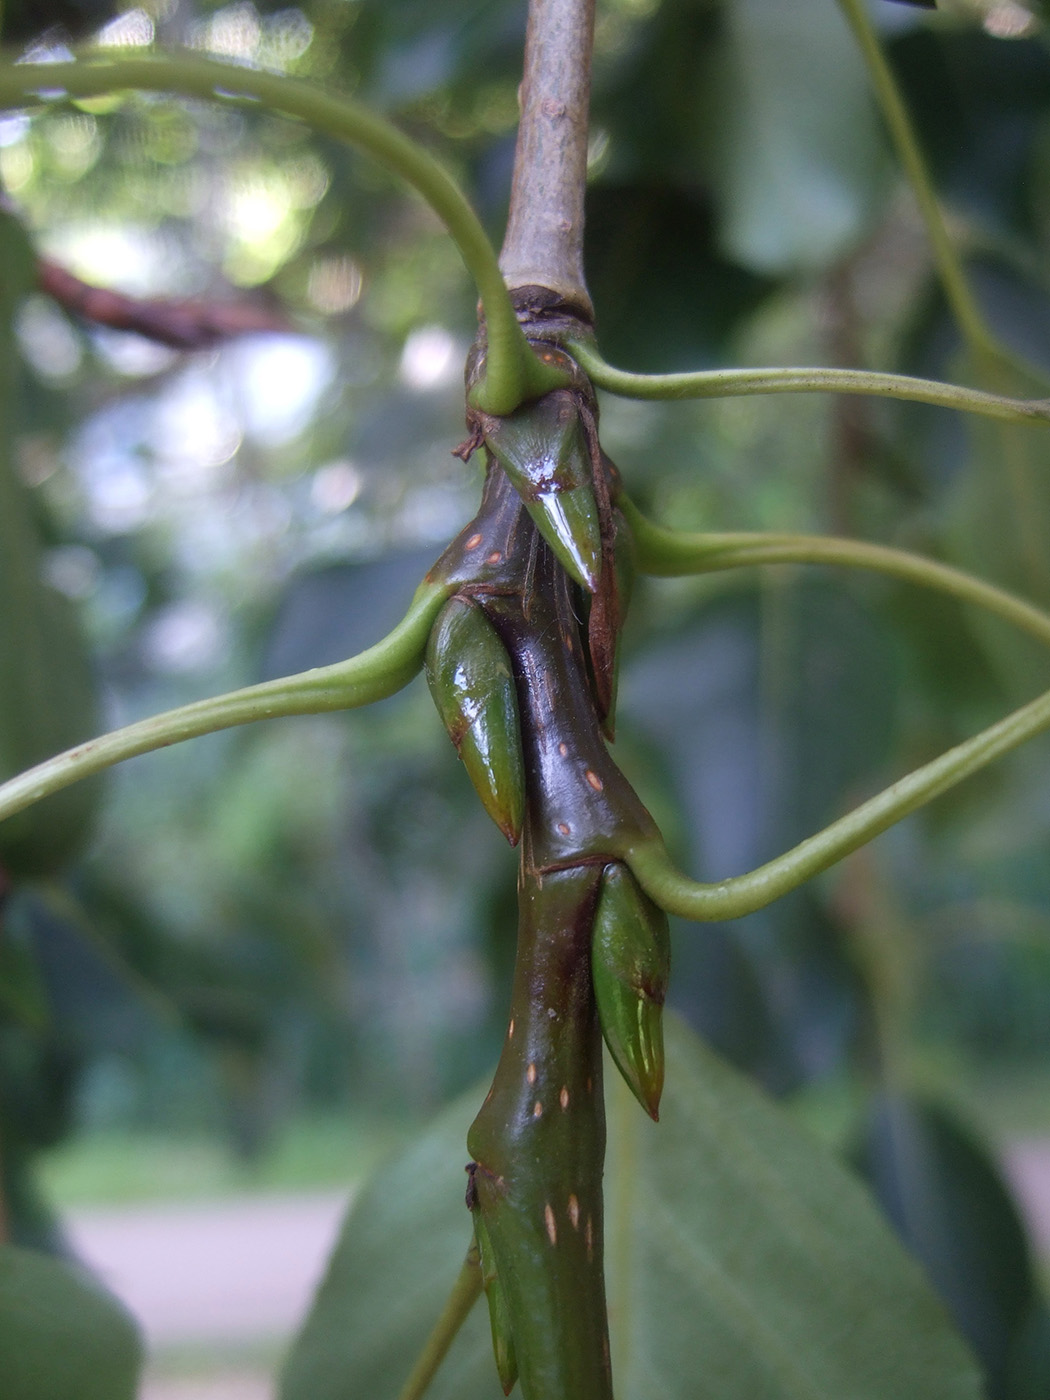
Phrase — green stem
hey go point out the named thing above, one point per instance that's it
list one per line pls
(669, 554)
(465, 1293)
(513, 373)
(743, 894)
(731, 383)
(376, 673)
(949, 265)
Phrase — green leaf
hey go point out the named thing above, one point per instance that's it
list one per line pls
(948, 1200)
(61, 1335)
(798, 141)
(997, 522)
(743, 1263)
(47, 697)
(394, 1264)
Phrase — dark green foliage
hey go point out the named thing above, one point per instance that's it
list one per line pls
(47, 697)
(947, 1199)
(61, 1335)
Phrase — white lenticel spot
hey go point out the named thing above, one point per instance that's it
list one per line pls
(552, 1227)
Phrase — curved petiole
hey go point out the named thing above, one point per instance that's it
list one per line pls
(372, 675)
(733, 383)
(513, 373)
(670, 554)
(743, 894)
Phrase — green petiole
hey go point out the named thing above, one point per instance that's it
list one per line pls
(733, 383)
(374, 674)
(671, 554)
(513, 373)
(743, 894)
(665, 552)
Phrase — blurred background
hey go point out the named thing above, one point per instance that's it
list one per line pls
(249, 966)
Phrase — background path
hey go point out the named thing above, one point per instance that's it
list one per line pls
(243, 1271)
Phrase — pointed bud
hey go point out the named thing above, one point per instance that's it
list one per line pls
(499, 1310)
(630, 965)
(470, 679)
(569, 522)
(543, 450)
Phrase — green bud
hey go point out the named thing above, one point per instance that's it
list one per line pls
(543, 450)
(470, 678)
(630, 966)
(569, 522)
(499, 1311)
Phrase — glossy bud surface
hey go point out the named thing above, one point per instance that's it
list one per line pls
(469, 674)
(543, 450)
(630, 965)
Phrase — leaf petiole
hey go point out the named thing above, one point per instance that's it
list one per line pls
(671, 554)
(372, 675)
(732, 383)
(743, 894)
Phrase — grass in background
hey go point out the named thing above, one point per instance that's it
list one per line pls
(118, 1167)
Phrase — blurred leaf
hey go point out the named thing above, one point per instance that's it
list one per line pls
(731, 1238)
(979, 106)
(666, 298)
(948, 1201)
(770, 710)
(61, 1336)
(23, 996)
(1029, 1374)
(97, 1000)
(795, 683)
(799, 146)
(332, 613)
(997, 524)
(47, 699)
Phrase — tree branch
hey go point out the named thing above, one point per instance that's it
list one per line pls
(513, 374)
(184, 324)
(544, 241)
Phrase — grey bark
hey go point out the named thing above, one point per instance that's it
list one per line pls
(543, 246)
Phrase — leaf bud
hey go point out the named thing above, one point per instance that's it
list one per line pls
(543, 450)
(630, 966)
(470, 678)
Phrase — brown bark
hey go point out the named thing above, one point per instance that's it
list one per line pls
(182, 324)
